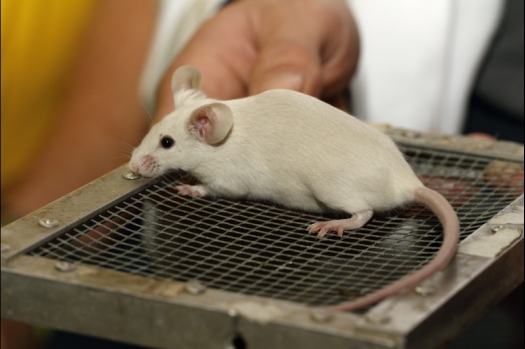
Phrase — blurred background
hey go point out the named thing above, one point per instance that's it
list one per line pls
(42, 45)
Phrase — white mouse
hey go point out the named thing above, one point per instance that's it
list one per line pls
(294, 150)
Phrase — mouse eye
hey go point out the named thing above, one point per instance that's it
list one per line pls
(167, 142)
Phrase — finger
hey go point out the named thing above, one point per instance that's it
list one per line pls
(341, 54)
(286, 64)
(222, 49)
(339, 100)
(482, 136)
(317, 51)
(288, 50)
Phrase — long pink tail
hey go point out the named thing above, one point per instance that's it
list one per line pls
(448, 218)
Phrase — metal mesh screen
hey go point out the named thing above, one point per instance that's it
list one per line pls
(260, 249)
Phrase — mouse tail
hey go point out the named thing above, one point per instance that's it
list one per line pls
(448, 218)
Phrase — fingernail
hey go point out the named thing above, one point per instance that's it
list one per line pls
(289, 81)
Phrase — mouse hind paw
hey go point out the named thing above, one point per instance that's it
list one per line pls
(339, 226)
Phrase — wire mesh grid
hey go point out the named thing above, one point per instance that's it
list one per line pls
(260, 249)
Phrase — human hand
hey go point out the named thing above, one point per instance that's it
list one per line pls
(251, 46)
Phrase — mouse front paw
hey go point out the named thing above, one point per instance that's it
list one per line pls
(193, 190)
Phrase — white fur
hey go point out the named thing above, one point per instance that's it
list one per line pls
(187, 95)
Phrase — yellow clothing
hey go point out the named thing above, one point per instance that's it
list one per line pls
(39, 41)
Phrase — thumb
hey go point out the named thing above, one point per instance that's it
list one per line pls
(307, 46)
(289, 64)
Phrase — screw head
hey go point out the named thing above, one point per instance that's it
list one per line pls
(377, 319)
(410, 134)
(195, 287)
(65, 266)
(48, 223)
(321, 315)
(130, 175)
(424, 291)
(5, 247)
(497, 228)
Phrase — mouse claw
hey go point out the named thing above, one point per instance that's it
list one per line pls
(313, 228)
(321, 228)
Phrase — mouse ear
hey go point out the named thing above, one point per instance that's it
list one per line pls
(185, 84)
(212, 122)
(186, 77)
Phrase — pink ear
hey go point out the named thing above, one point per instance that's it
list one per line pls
(212, 122)
(202, 125)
